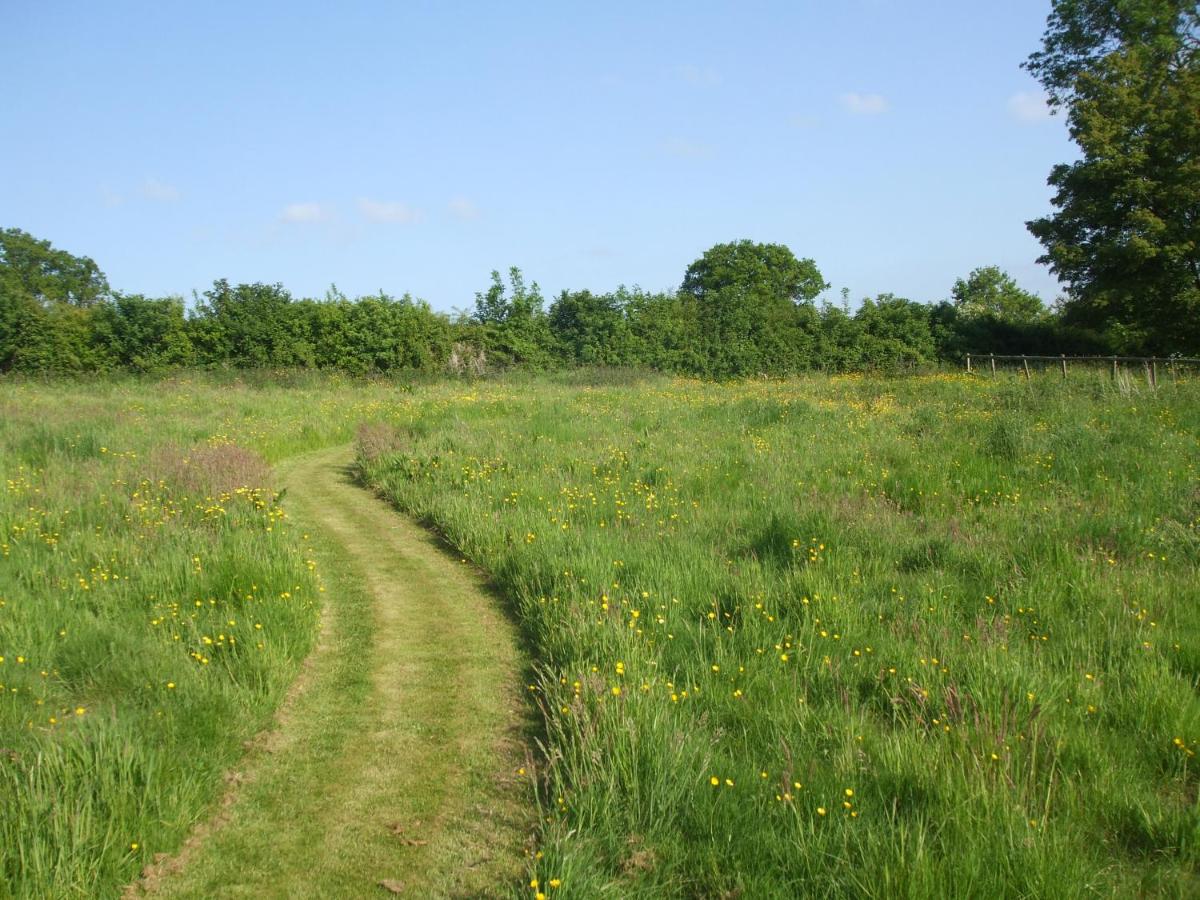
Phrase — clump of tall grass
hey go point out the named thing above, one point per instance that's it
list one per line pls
(209, 469)
(374, 440)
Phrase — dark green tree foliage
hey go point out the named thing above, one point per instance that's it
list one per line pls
(839, 335)
(592, 329)
(747, 297)
(990, 292)
(894, 333)
(1126, 234)
(143, 334)
(744, 309)
(988, 312)
(49, 276)
(45, 296)
(248, 326)
(665, 332)
(52, 340)
(373, 334)
(252, 325)
(513, 323)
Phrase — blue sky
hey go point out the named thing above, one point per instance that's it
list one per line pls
(411, 146)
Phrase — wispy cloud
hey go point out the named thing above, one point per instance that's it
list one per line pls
(701, 75)
(304, 213)
(464, 209)
(380, 211)
(684, 149)
(1028, 107)
(159, 191)
(864, 104)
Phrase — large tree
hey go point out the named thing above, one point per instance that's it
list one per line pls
(46, 275)
(47, 297)
(1126, 234)
(748, 298)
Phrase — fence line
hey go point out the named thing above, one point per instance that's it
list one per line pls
(1149, 363)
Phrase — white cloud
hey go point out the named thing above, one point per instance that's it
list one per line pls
(864, 104)
(686, 149)
(304, 213)
(159, 191)
(379, 211)
(702, 75)
(462, 208)
(1028, 107)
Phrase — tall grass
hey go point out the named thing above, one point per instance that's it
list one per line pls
(914, 637)
(155, 602)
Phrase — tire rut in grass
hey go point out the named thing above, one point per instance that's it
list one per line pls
(395, 763)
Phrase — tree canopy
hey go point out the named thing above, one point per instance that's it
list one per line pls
(46, 275)
(768, 271)
(744, 309)
(746, 296)
(990, 291)
(1126, 234)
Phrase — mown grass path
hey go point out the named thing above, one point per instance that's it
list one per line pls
(393, 760)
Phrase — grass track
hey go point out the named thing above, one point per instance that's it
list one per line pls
(409, 716)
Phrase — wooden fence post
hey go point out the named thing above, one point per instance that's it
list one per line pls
(1025, 365)
(1154, 371)
(992, 360)
(968, 363)
(1114, 368)
(1063, 360)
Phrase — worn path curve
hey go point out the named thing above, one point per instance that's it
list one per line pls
(394, 761)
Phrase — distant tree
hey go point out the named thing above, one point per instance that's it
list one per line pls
(591, 328)
(47, 275)
(143, 334)
(894, 332)
(491, 306)
(766, 272)
(56, 339)
(515, 329)
(1126, 234)
(664, 331)
(989, 291)
(246, 325)
(46, 300)
(840, 337)
(746, 298)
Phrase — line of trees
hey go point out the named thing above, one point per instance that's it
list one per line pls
(1124, 237)
(742, 309)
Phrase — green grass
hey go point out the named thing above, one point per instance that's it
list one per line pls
(913, 637)
(155, 603)
(395, 760)
(985, 590)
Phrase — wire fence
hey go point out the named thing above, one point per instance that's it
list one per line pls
(1152, 366)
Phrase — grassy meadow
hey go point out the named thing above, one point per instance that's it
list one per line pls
(910, 637)
(155, 603)
(823, 636)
